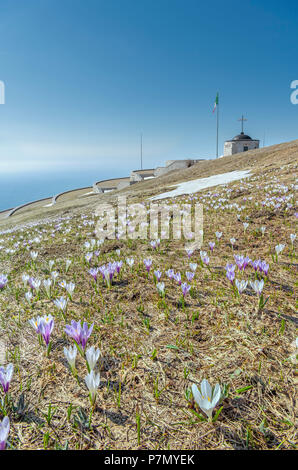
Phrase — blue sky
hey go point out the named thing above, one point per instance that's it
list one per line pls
(84, 78)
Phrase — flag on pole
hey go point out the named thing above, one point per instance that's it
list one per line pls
(216, 102)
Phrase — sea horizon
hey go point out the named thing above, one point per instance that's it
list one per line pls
(17, 189)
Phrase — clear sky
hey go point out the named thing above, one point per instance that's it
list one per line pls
(83, 79)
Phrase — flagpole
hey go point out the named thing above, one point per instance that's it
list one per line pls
(217, 128)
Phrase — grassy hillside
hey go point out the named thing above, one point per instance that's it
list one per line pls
(154, 346)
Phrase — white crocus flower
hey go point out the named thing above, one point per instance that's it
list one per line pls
(92, 381)
(257, 286)
(25, 279)
(71, 354)
(160, 287)
(130, 261)
(4, 431)
(207, 398)
(92, 356)
(292, 237)
(33, 255)
(279, 248)
(61, 303)
(241, 285)
(263, 229)
(193, 266)
(67, 264)
(28, 297)
(51, 264)
(35, 283)
(47, 283)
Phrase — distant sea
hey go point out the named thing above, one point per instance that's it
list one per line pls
(17, 189)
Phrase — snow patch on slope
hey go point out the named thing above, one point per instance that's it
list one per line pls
(190, 187)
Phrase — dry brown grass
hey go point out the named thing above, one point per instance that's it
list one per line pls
(152, 353)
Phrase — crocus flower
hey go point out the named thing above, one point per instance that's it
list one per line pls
(130, 262)
(92, 356)
(207, 398)
(25, 279)
(241, 285)
(193, 266)
(256, 264)
(263, 266)
(211, 245)
(28, 297)
(161, 288)
(51, 264)
(6, 376)
(4, 431)
(148, 264)
(204, 257)
(70, 287)
(92, 381)
(177, 278)
(189, 252)
(33, 255)
(46, 326)
(67, 264)
(185, 288)
(153, 244)
(189, 275)
(279, 248)
(158, 275)
(94, 272)
(292, 238)
(34, 284)
(3, 281)
(71, 354)
(170, 273)
(257, 286)
(88, 257)
(61, 303)
(230, 275)
(47, 283)
(79, 333)
(242, 261)
(218, 235)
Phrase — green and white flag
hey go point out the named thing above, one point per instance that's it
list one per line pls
(216, 103)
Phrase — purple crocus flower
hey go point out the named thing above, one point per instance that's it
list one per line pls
(242, 261)
(148, 264)
(79, 333)
(170, 273)
(256, 264)
(4, 431)
(46, 327)
(231, 275)
(189, 275)
(86, 332)
(212, 245)
(94, 272)
(177, 278)
(264, 267)
(3, 281)
(204, 257)
(185, 288)
(118, 266)
(158, 275)
(6, 376)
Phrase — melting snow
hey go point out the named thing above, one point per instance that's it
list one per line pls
(190, 187)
